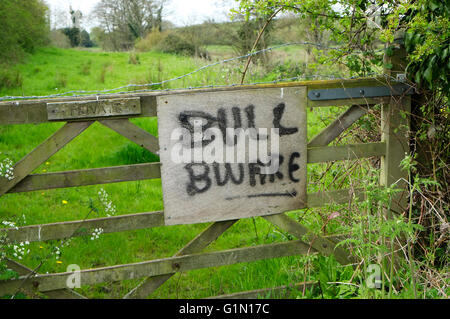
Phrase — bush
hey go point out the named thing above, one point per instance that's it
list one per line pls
(175, 44)
(59, 39)
(74, 36)
(134, 58)
(10, 79)
(151, 41)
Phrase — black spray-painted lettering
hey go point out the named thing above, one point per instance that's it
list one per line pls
(277, 115)
(200, 180)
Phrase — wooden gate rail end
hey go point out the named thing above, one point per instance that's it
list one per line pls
(274, 292)
(341, 196)
(345, 152)
(53, 294)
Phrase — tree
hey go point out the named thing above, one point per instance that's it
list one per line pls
(74, 36)
(124, 21)
(24, 26)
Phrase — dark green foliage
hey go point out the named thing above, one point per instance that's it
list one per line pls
(431, 70)
(248, 32)
(176, 44)
(74, 36)
(86, 40)
(23, 27)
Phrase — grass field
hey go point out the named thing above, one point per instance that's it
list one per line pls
(53, 70)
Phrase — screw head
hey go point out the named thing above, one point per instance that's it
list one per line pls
(317, 94)
(361, 92)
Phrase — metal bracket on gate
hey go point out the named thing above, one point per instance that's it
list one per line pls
(360, 92)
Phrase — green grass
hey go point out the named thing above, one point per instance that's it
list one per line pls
(53, 70)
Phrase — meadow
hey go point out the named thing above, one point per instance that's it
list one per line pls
(52, 70)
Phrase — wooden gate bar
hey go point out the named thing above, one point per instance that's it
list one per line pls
(345, 152)
(84, 177)
(43, 152)
(45, 232)
(61, 230)
(200, 242)
(35, 111)
(157, 267)
(135, 172)
(341, 196)
(134, 133)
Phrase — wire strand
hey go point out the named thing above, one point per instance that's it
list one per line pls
(77, 93)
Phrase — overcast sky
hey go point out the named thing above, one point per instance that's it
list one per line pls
(179, 12)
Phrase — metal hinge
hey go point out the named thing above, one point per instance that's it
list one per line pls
(360, 92)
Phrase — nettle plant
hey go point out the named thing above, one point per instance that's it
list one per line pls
(376, 238)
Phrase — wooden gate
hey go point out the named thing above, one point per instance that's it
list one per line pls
(390, 148)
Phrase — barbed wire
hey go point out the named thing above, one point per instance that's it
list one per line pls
(77, 93)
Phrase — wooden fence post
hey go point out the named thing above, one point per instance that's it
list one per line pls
(395, 128)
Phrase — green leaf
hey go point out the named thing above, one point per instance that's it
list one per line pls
(428, 75)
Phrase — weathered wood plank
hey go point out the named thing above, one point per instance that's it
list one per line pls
(342, 123)
(93, 109)
(281, 292)
(35, 111)
(66, 229)
(60, 230)
(341, 196)
(345, 152)
(41, 153)
(159, 267)
(134, 133)
(144, 171)
(320, 244)
(53, 294)
(201, 241)
(85, 177)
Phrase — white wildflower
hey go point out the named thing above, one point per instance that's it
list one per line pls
(96, 233)
(21, 250)
(7, 169)
(108, 205)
